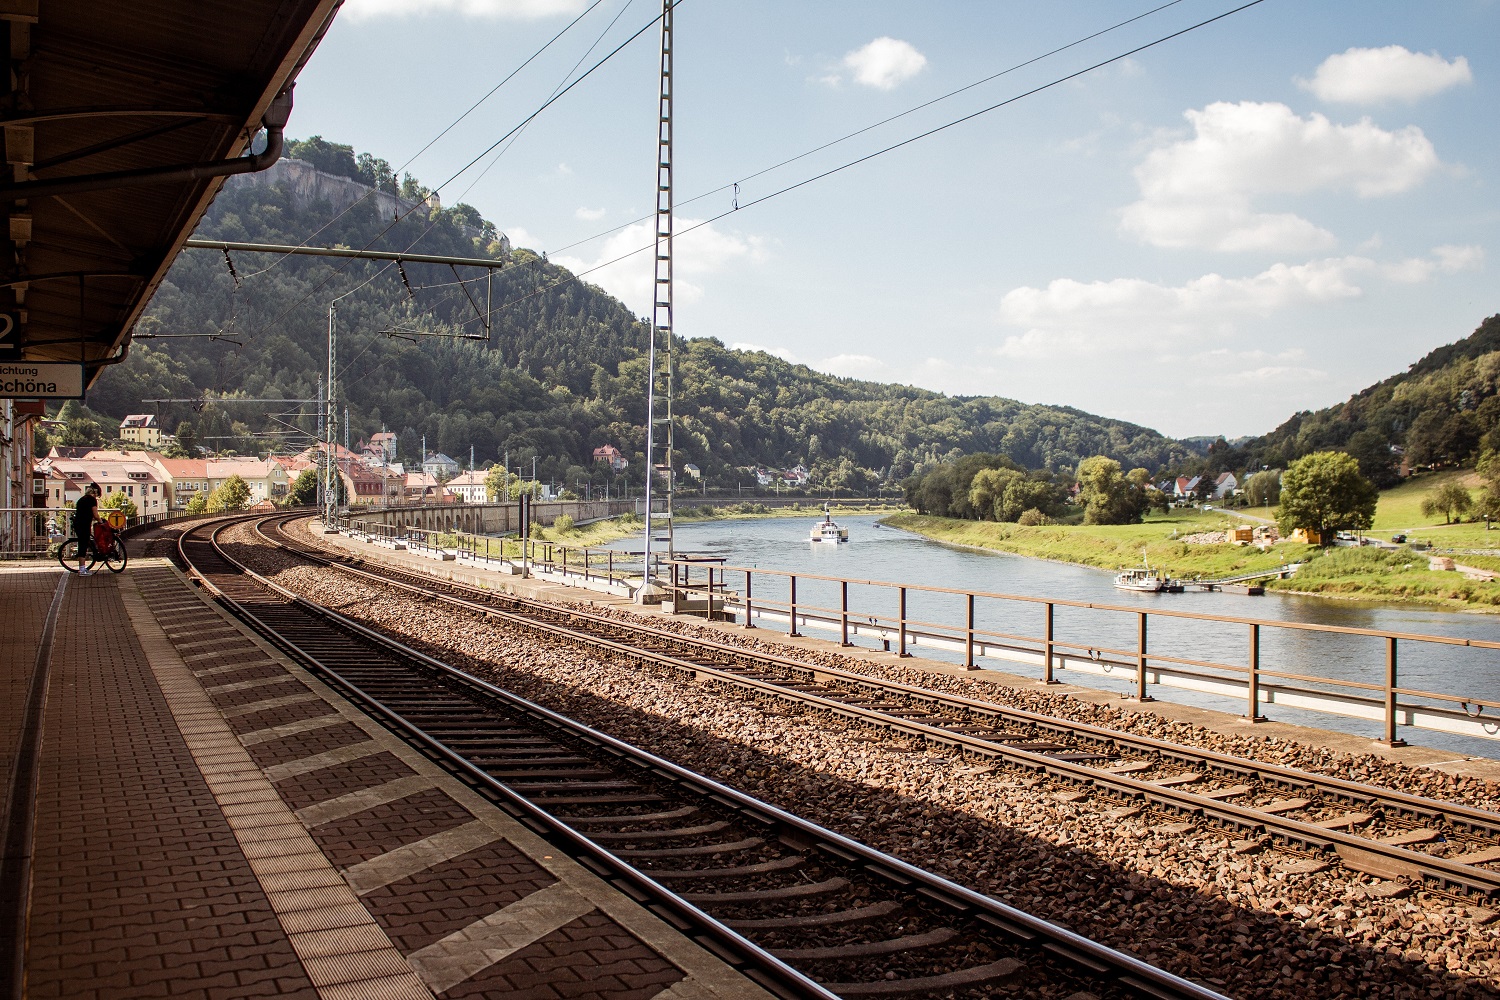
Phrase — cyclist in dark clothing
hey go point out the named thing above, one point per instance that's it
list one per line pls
(84, 513)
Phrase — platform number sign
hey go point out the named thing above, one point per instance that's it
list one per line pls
(10, 338)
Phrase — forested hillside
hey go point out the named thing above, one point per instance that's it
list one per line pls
(1445, 409)
(561, 373)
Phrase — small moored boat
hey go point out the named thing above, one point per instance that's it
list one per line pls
(1143, 578)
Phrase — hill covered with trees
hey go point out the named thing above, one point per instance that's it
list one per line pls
(1443, 410)
(561, 372)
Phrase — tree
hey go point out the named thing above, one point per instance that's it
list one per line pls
(1377, 462)
(1489, 497)
(186, 445)
(119, 501)
(1108, 496)
(233, 494)
(1450, 500)
(1264, 489)
(304, 489)
(1324, 492)
(198, 504)
(987, 491)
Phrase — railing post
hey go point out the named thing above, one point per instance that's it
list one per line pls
(1047, 648)
(901, 643)
(1140, 659)
(844, 613)
(969, 632)
(1254, 683)
(1390, 694)
(792, 606)
(749, 607)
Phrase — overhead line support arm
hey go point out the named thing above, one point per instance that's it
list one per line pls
(407, 258)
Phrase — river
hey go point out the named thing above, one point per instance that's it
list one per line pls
(884, 554)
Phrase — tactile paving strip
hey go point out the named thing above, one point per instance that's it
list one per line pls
(472, 902)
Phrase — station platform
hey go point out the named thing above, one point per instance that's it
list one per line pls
(190, 814)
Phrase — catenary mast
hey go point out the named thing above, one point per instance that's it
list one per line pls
(659, 359)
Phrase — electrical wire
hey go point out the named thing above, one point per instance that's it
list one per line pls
(524, 122)
(895, 146)
(446, 129)
(734, 185)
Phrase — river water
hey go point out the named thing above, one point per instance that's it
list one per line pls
(883, 554)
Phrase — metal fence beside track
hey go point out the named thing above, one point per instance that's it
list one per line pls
(33, 532)
(885, 613)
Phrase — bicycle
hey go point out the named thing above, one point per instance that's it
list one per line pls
(106, 546)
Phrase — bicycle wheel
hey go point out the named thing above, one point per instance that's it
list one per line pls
(67, 554)
(116, 557)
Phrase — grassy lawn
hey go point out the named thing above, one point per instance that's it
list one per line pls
(1352, 574)
(1114, 546)
(1400, 508)
(1389, 575)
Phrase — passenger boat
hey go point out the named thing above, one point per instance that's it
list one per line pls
(1143, 578)
(827, 530)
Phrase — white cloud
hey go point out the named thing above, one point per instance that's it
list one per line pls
(1393, 73)
(512, 10)
(1416, 270)
(698, 255)
(1075, 318)
(1198, 192)
(885, 63)
(588, 214)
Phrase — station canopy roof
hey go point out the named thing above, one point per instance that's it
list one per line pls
(98, 89)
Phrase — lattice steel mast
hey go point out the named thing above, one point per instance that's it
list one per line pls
(659, 360)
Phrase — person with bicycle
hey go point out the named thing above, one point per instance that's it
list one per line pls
(84, 514)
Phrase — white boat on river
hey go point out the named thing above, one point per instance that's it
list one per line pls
(828, 530)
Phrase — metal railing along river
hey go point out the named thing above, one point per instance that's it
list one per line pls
(1115, 641)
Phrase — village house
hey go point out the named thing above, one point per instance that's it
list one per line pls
(609, 453)
(469, 487)
(692, 471)
(142, 429)
(440, 466)
(266, 478)
(1225, 485)
(141, 482)
(189, 477)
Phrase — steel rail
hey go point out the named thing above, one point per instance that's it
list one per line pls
(778, 977)
(1353, 850)
(1027, 929)
(1339, 787)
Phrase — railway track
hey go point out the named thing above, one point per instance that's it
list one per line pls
(1441, 846)
(805, 911)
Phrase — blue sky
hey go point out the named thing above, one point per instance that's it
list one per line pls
(1262, 216)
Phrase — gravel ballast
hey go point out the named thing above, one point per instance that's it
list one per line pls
(1190, 899)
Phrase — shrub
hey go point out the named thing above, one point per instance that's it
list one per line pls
(1032, 518)
(563, 524)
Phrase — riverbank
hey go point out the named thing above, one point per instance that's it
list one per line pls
(686, 513)
(1366, 574)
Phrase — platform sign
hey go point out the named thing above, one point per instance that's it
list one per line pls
(41, 380)
(9, 338)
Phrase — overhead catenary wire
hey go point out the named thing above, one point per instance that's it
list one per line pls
(734, 186)
(446, 129)
(789, 188)
(462, 170)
